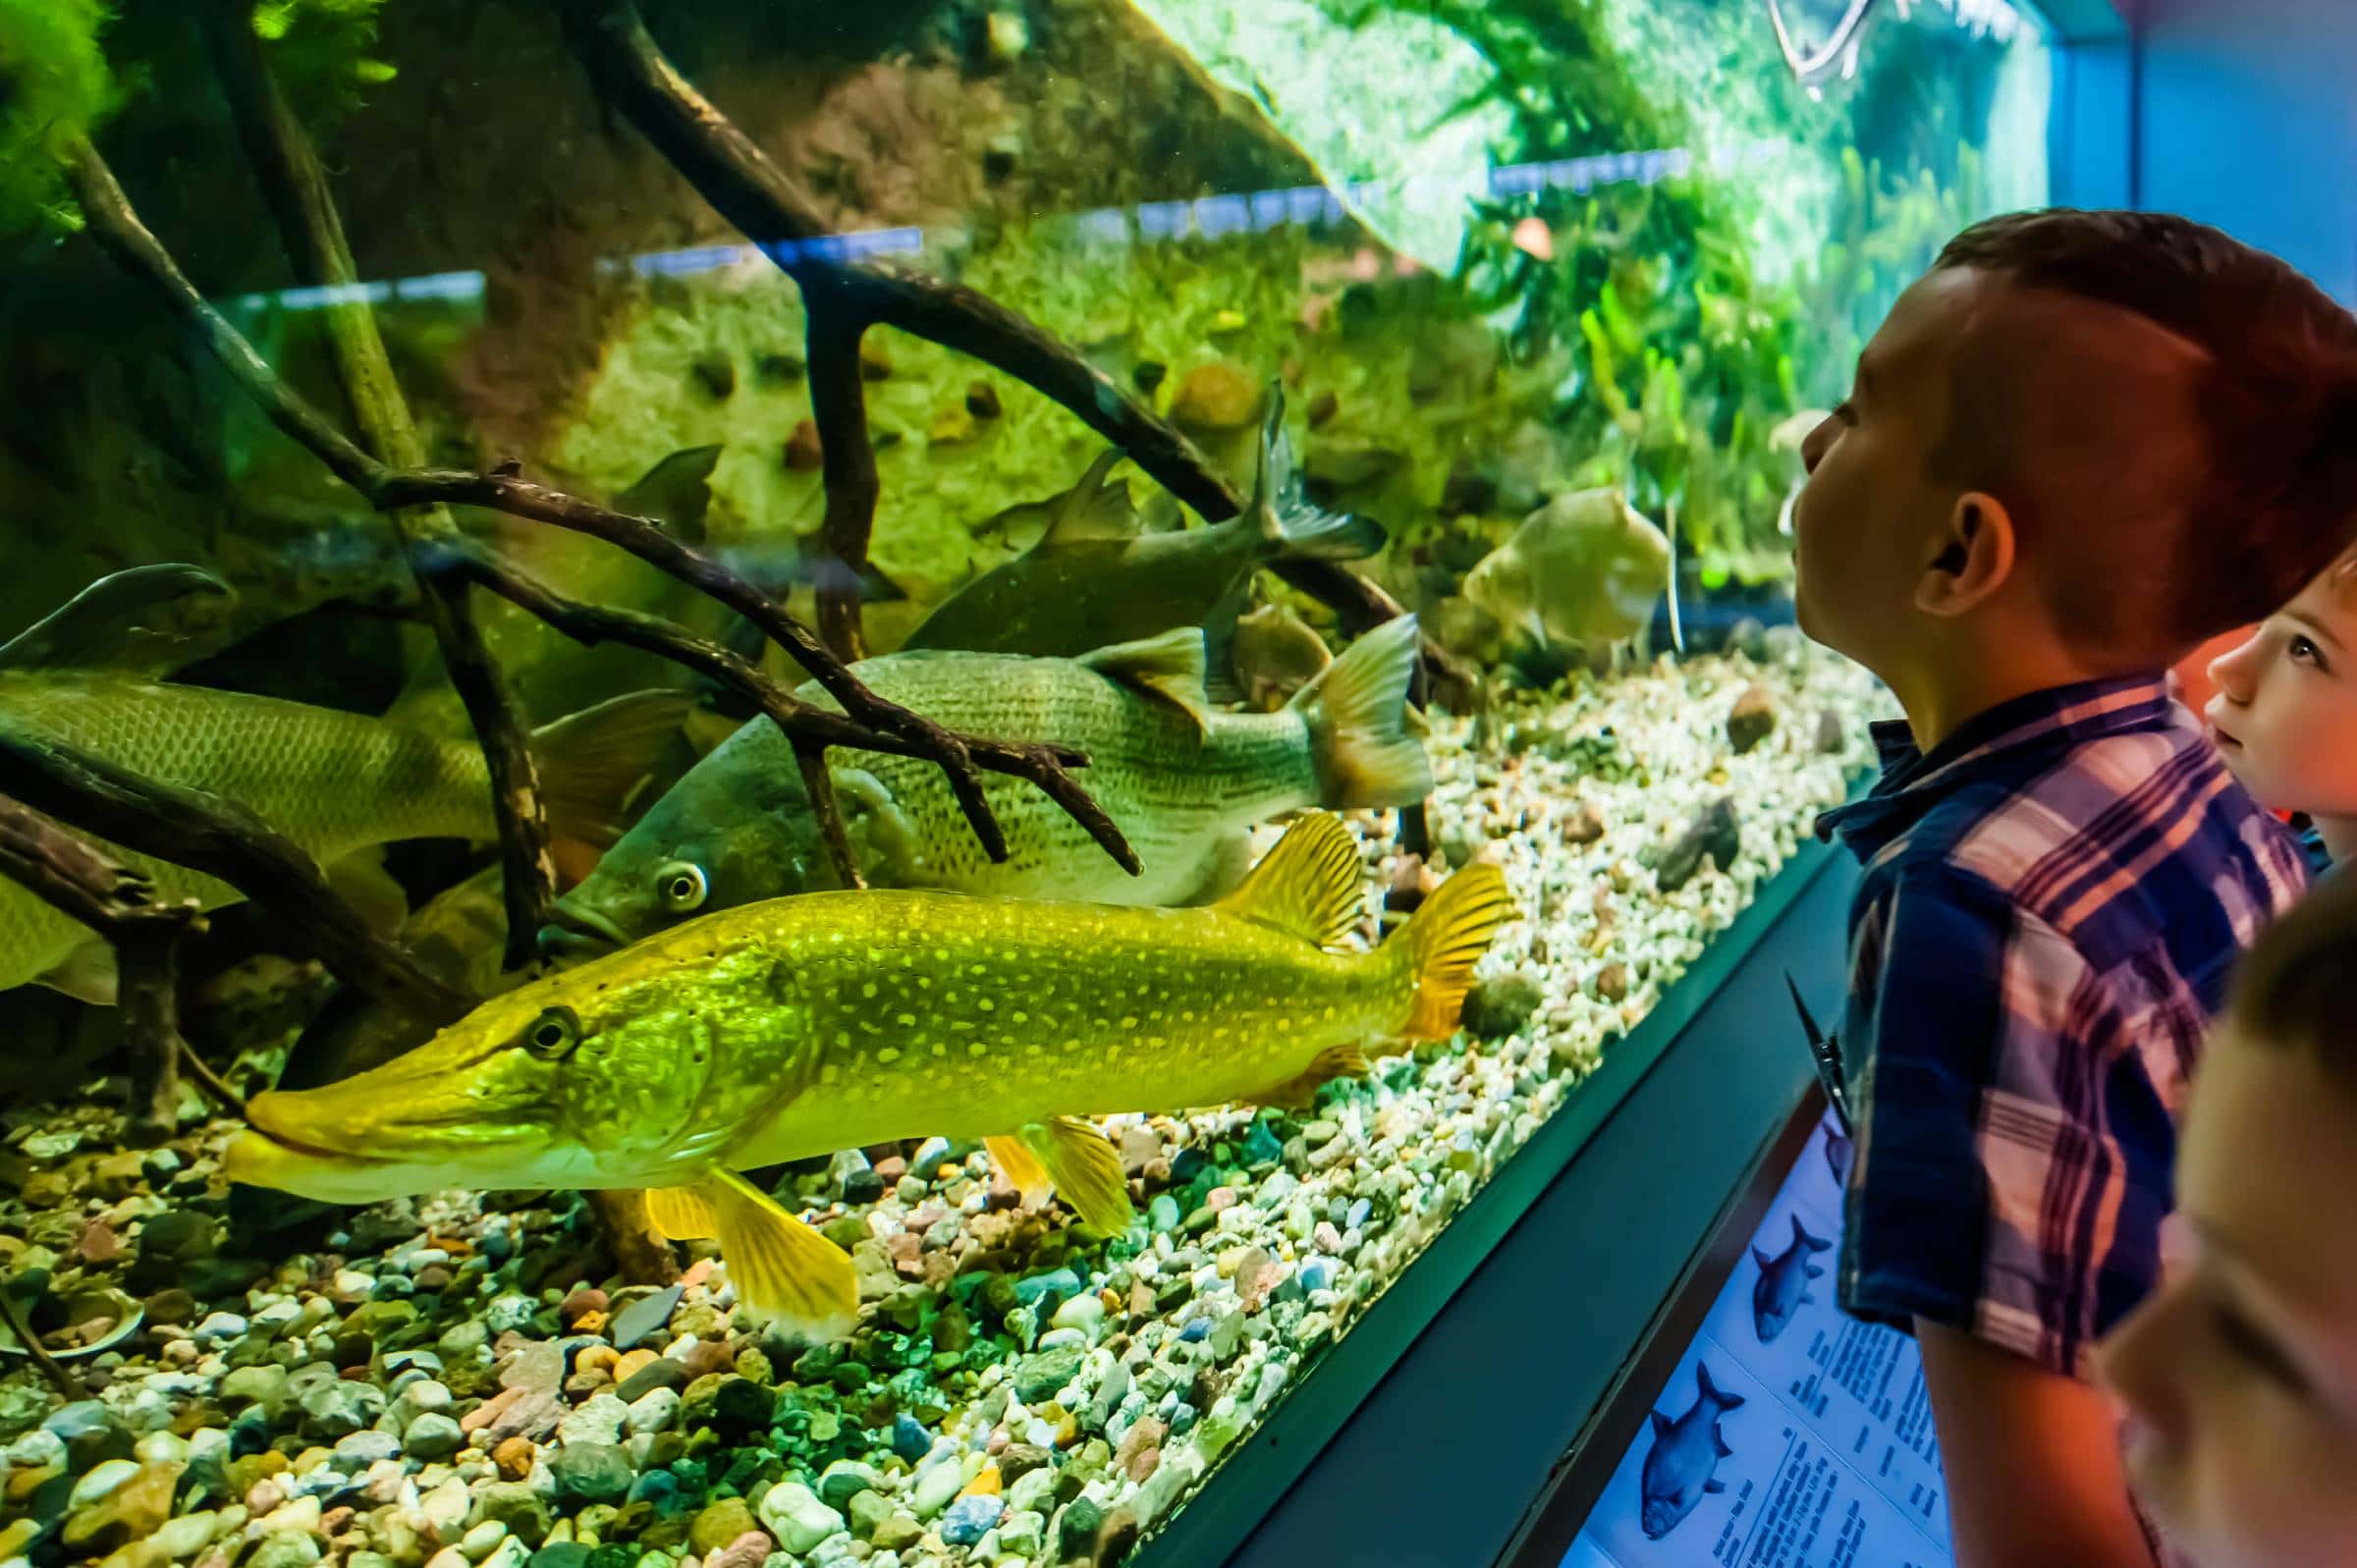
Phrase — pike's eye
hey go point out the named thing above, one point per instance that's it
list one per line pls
(680, 885)
(553, 1034)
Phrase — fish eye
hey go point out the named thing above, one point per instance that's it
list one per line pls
(682, 886)
(552, 1036)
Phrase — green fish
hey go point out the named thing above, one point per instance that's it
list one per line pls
(1584, 569)
(799, 1026)
(1272, 654)
(1181, 781)
(337, 783)
(1093, 580)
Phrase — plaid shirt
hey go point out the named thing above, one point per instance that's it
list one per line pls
(2052, 899)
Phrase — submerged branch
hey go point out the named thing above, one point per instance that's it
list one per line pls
(809, 727)
(78, 881)
(312, 233)
(222, 839)
(846, 472)
(117, 227)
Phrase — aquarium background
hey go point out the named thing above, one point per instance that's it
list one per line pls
(1495, 254)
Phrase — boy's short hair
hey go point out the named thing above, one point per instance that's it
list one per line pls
(2291, 990)
(2274, 488)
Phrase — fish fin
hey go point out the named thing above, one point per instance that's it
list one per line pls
(1713, 1484)
(1169, 666)
(1095, 510)
(1309, 885)
(1355, 710)
(1020, 1166)
(1677, 629)
(1300, 1090)
(1221, 684)
(1805, 1295)
(1702, 1375)
(1718, 1443)
(1760, 1256)
(684, 1214)
(1273, 480)
(1442, 941)
(1285, 524)
(675, 493)
(146, 620)
(362, 881)
(827, 572)
(1086, 1171)
(1663, 1426)
(87, 974)
(782, 1269)
(1801, 1236)
(593, 761)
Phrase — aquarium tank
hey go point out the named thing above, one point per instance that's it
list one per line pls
(789, 783)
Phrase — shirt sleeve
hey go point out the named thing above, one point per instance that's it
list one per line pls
(1987, 1183)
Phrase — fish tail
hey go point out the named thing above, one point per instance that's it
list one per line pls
(590, 761)
(1442, 942)
(1296, 528)
(1356, 713)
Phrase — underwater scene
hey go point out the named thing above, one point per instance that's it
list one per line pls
(788, 785)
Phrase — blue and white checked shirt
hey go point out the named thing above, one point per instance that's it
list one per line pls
(2053, 901)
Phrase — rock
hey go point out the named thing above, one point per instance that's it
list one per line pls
(1831, 736)
(516, 1505)
(1714, 832)
(1141, 1450)
(169, 1306)
(794, 1514)
(339, 1408)
(802, 453)
(1501, 1006)
(514, 1458)
(597, 1422)
(1038, 1378)
(101, 1478)
(1748, 637)
(290, 1548)
(780, 369)
(935, 1488)
(433, 1435)
(1611, 982)
(719, 1524)
(265, 1385)
(968, 1518)
(377, 1318)
(909, 1439)
(1585, 826)
(982, 400)
(741, 1408)
(748, 1551)
(1752, 718)
(1215, 396)
(652, 1411)
(358, 1450)
(898, 1531)
(1077, 1531)
(662, 1372)
(644, 1316)
(589, 1472)
(951, 427)
(844, 1480)
(716, 373)
(580, 1303)
(90, 1433)
(478, 1543)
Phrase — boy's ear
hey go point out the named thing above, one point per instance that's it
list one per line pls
(1972, 557)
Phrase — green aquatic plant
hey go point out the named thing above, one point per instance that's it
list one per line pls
(55, 87)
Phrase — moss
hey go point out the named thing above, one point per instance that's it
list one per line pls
(55, 87)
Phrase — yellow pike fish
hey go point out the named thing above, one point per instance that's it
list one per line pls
(803, 1025)
(335, 783)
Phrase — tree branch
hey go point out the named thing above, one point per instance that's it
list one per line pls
(222, 839)
(847, 470)
(312, 232)
(117, 902)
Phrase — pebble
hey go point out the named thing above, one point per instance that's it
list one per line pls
(633, 1322)
(968, 1518)
(934, 1489)
(652, 1411)
(794, 1515)
(720, 1525)
(514, 1458)
(590, 1472)
(748, 1551)
(433, 1435)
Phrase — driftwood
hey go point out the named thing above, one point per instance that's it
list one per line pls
(77, 879)
(842, 299)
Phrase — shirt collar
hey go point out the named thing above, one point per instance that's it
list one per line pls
(2054, 719)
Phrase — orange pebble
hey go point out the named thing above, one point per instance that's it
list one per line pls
(632, 1360)
(984, 1485)
(514, 1458)
(594, 1357)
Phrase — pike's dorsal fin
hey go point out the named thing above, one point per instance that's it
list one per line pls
(1020, 1166)
(1168, 667)
(782, 1269)
(1086, 1171)
(1300, 1092)
(1308, 884)
(1095, 511)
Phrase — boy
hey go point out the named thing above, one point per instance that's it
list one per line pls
(2284, 712)
(2078, 446)
(2239, 1377)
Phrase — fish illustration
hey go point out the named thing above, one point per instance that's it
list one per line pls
(1183, 782)
(1584, 569)
(1677, 1468)
(798, 1026)
(1094, 579)
(1269, 655)
(1840, 1153)
(1783, 1282)
(337, 783)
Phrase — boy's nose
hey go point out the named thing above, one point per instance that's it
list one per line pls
(2235, 671)
(1815, 445)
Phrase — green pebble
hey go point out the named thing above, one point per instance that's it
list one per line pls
(898, 1531)
(1038, 1377)
(867, 1510)
(720, 1524)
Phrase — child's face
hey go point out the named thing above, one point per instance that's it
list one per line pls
(1863, 523)
(2285, 712)
(2239, 1377)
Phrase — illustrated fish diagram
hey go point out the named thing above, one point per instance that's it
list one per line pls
(1789, 1436)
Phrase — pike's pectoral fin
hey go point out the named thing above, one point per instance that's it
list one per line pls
(782, 1269)
(1086, 1169)
(87, 974)
(1022, 1167)
(1300, 1090)
(682, 1214)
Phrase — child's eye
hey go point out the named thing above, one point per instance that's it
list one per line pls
(2240, 1336)
(2303, 650)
